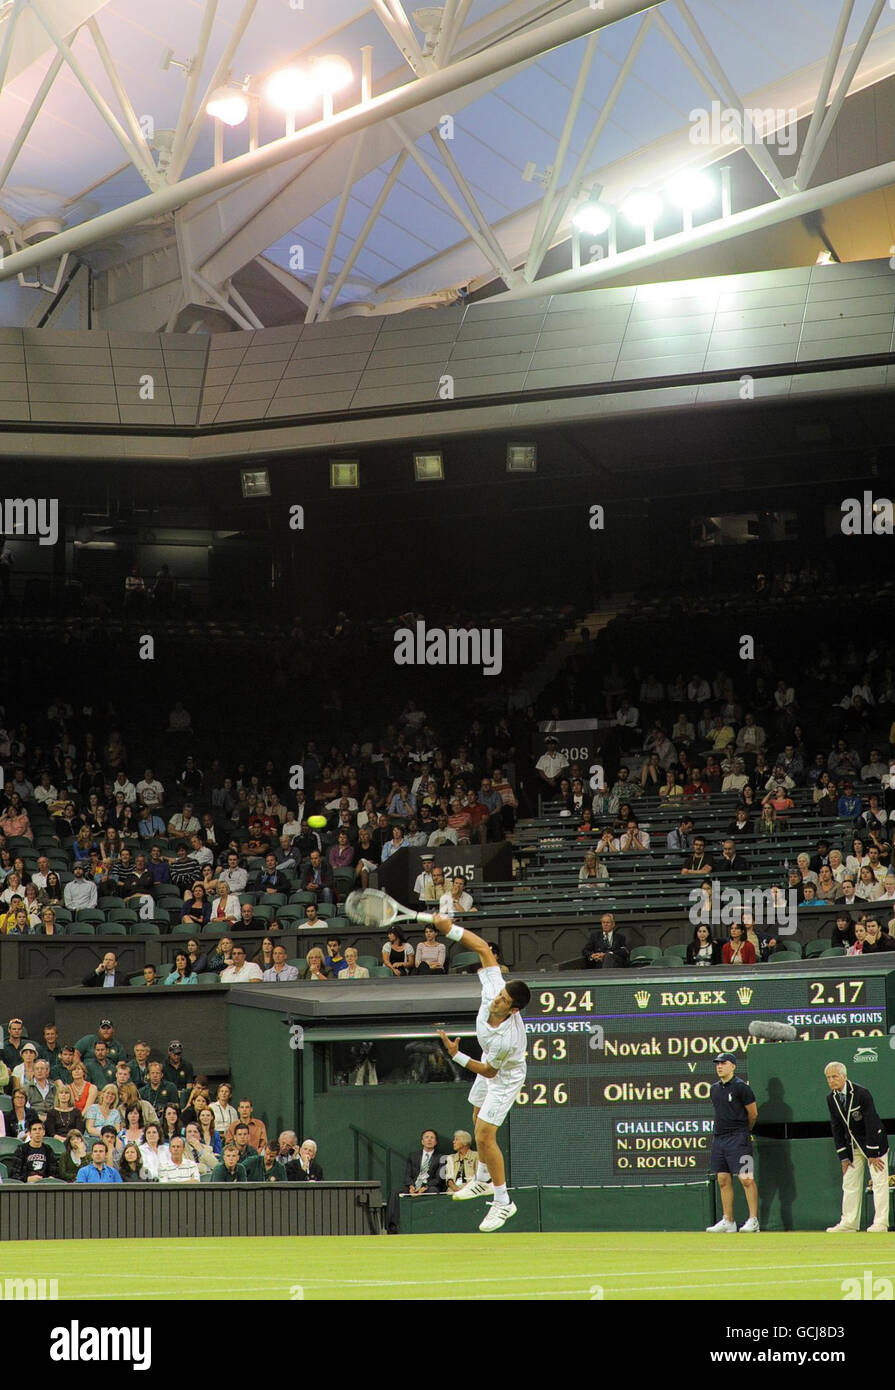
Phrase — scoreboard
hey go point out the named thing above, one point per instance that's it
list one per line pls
(620, 1066)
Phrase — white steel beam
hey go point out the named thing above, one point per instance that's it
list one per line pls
(472, 231)
(823, 90)
(124, 100)
(185, 115)
(9, 32)
(521, 48)
(222, 303)
(31, 116)
(451, 26)
(336, 227)
(771, 214)
(217, 77)
(360, 239)
(405, 29)
(808, 163)
(135, 153)
(470, 199)
(410, 51)
(246, 308)
(536, 252)
(563, 201)
(757, 151)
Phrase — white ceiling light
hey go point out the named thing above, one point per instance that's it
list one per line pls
(331, 74)
(228, 104)
(641, 209)
(691, 190)
(291, 89)
(592, 218)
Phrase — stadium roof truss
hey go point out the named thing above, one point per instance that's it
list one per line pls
(417, 188)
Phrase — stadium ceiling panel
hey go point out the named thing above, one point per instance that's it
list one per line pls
(452, 163)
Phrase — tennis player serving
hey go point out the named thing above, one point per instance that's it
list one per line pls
(501, 1034)
(498, 1076)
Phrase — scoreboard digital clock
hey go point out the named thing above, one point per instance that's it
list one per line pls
(620, 1066)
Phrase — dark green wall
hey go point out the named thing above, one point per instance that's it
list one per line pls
(262, 1065)
(396, 1115)
(790, 1086)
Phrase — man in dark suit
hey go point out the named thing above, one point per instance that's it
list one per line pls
(859, 1135)
(305, 1168)
(423, 1176)
(605, 948)
(106, 975)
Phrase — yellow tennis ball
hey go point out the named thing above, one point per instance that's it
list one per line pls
(317, 822)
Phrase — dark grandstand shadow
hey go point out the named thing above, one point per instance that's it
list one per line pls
(777, 1175)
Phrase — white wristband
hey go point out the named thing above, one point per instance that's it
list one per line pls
(461, 1059)
(455, 933)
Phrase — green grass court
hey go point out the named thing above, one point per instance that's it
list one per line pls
(504, 1266)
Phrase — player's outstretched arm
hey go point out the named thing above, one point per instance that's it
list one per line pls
(469, 941)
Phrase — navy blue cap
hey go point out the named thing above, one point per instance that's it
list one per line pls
(725, 1057)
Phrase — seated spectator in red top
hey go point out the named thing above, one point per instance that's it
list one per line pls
(738, 951)
(460, 821)
(479, 816)
(341, 856)
(697, 785)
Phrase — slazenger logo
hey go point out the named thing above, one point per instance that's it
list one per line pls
(77, 1343)
(866, 1054)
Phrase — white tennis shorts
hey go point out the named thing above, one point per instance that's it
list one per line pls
(495, 1098)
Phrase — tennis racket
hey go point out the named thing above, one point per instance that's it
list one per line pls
(373, 908)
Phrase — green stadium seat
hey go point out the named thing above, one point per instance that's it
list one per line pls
(645, 955)
(209, 977)
(91, 914)
(110, 902)
(6, 1104)
(369, 961)
(8, 1145)
(122, 914)
(679, 949)
(55, 1144)
(205, 1177)
(325, 910)
(301, 898)
(378, 971)
(264, 913)
(816, 948)
(339, 924)
(80, 929)
(669, 958)
(135, 979)
(291, 913)
(459, 963)
(4, 1175)
(299, 962)
(833, 951)
(273, 899)
(144, 928)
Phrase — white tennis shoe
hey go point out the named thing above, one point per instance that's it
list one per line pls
(750, 1227)
(725, 1227)
(497, 1214)
(473, 1189)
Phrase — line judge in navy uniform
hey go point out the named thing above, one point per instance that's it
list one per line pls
(859, 1134)
(735, 1115)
